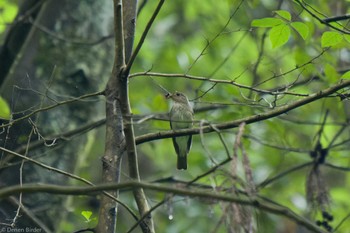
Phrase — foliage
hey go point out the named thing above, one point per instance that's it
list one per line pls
(235, 59)
(281, 28)
(8, 11)
(4, 109)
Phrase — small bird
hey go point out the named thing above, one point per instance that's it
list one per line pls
(181, 117)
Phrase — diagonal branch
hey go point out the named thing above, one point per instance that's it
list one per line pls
(70, 175)
(143, 37)
(57, 104)
(248, 120)
(222, 81)
(322, 21)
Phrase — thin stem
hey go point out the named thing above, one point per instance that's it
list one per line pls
(143, 37)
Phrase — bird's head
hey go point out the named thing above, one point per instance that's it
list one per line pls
(177, 97)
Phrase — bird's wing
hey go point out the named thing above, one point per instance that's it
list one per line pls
(189, 143)
(176, 146)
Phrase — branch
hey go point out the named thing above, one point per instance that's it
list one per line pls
(232, 82)
(336, 18)
(70, 175)
(216, 36)
(143, 37)
(64, 37)
(53, 140)
(65, 136)
(123, 101)
(51, 107)
(326, 22)
(15, 36)
(74, 190)
(282, 174)
(248, 120)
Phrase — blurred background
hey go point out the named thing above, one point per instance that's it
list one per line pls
(55, 51)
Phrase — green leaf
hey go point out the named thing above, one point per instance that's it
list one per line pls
(331, 73)
(330, 39)
(347, 37)
(86, 214)
(284, 14)
(8, 11)
(301, 28)
(5, 112)
(266, 22)
(346, 75)
(279, 35)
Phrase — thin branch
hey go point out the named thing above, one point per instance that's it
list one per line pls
(345, 169)
(336, 18)
(30, 214)
(65, 136)
(64, 39)
(51, 107)
(282, 174)
(209, 42)
(232, 82)
(141, 6)
(319, 19)
(341, 223)
(76, 190)
(70, 175)
(143, 37)
(248, 120)
(297, 67)
(211, 170)
(140, 221)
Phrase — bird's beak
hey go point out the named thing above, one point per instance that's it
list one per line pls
(168, 95)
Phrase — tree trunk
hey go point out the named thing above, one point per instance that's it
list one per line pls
(119, 126)
(50, 67)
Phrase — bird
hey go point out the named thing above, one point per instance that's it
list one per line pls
(181, 117)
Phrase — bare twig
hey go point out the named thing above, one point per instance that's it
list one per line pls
(336, 18)
(232, 82)
(209, 42)
(301, 3)
(70, 41)
(72, 100)
(70, 175)
(282, 174)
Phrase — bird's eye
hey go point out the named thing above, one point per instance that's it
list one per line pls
(177, 94)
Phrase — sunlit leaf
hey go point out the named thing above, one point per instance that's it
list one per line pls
(346, 75)
(86, 214)
(330, 39)
(279, 35)
(266, 22)
(284, 14)
(8, 11)
(301, 28)
(5, 112)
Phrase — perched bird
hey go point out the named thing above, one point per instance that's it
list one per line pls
(181, 117)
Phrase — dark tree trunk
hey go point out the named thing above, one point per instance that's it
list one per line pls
(53, 65)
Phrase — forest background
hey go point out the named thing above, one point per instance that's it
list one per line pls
(83, 113)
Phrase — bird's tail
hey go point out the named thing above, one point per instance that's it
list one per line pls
(182, 162)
